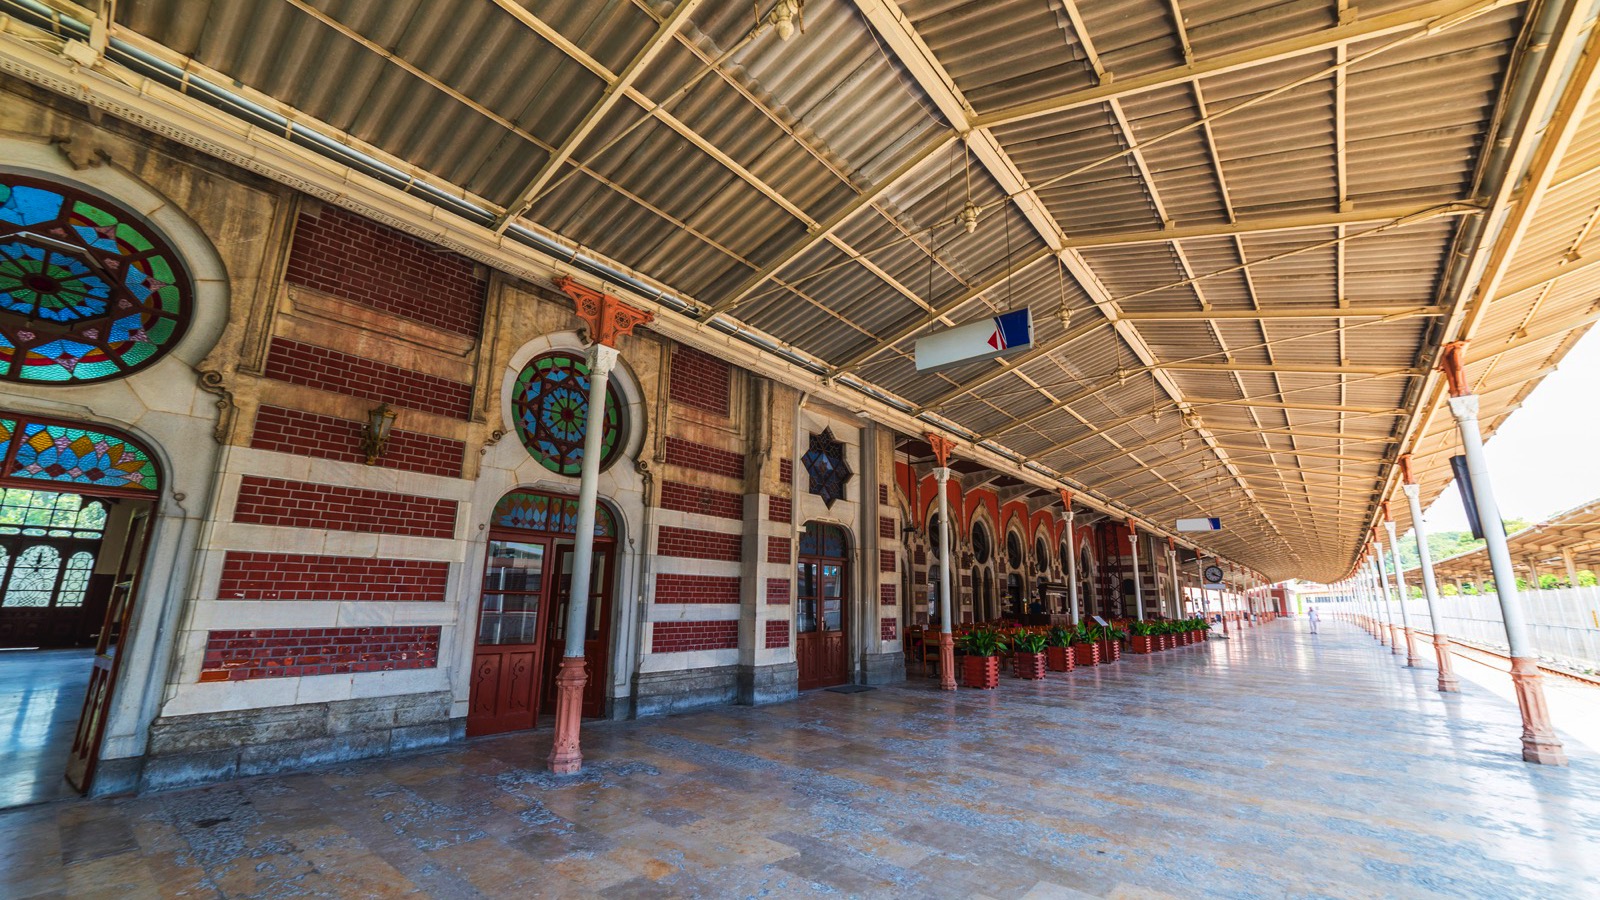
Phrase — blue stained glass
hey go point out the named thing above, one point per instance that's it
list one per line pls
(548, 513)
(64, 454)
(551, 404)
(25, 205)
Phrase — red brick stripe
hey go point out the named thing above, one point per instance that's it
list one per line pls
(886, 629)
(704, 458)
(286, 653)
(780, 509)
(883, 494)
(886, 560)
(886, 527)
(696, 544)
(675, 588)
(299, 504)
(343, 254)
(778, 590)
(691, 498)
(786, 471)
(677, 637)
(778, 550)
(342, 373)
(777, 634)
(328, 437)
(248, 575)
(886, 594)
(700, 380)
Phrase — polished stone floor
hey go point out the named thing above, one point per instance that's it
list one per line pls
(41, 697)
(1275, 764)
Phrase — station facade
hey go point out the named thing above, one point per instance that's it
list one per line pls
(322, 476)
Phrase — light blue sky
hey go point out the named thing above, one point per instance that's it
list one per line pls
(1546, 457)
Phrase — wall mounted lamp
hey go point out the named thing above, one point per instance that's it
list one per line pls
(375, 434)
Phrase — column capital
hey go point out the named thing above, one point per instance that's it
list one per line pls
(941, 474)
(1066, 500)
(608, 317)
(1453, 363)
(942, 448)
(1412, 490)
(602, 358)
(1465, 408)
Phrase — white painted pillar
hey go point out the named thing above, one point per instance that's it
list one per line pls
(947, 675)
(1448, 682)
(1539, 741)
(1177, 589)
(1072, 566)
(1138, 583)
(1403, 591)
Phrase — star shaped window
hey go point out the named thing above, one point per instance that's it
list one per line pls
(826, 465)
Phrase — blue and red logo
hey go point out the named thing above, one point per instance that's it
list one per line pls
(1010, 329)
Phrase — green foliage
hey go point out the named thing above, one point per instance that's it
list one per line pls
(1028, 642)
(983, 642)
(1146, 628)
(1445, 544)
(1059, 636)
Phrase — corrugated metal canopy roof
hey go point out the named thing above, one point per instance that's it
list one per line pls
(1263, 217)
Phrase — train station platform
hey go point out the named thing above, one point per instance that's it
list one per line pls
(1273, 764)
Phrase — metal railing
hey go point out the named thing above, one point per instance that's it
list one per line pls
(1565, 622)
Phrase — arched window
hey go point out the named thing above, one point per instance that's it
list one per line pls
(88, 290)
(33, 578)
(1014, 549)
(936, 535)
(981, 549)
(1041, 553)
(550, 404)
(75, 580)
(72, 455)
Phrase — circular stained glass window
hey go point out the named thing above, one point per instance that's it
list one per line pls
(88, 291)
(551, 406)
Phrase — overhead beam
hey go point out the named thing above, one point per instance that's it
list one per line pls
(1314, 407)
(1314, 42)
(616, 90)
(1305, 221)
(1219, 315)
(1293, 369)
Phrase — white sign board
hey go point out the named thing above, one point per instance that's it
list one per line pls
(1211, 524)
(984, 339)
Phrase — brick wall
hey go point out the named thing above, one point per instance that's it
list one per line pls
(342, 373)
(676, 637)
(780, 509)
(886, 629)
(706, 501)
(886, 594)
(778, 590)
(249, 575)
(700, 380)
(886, 560)
(284, 652)
(676, 588)
(786, 471)
(697, 544)
(329, 437)
(883, 494)
(886, 528)
(778, 550)
(340, 253)
(299, 504)
(703, 458)
(777, 634)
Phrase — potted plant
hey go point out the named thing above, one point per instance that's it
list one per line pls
(1058, 649)
(1164, 639)
(1085, 645)
(1144, 637)
(1027, 659)
(1111, 639)
(980, 667)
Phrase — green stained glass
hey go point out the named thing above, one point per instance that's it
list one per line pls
(548, 513)
(550, 403)
(88, 290)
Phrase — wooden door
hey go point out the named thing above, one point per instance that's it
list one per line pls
(596, 652)
(505, 689)
(85, 754)
(821, 620)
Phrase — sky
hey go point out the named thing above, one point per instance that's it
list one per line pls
(1543, 460)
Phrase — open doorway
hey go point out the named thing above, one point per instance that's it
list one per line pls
(75, 506)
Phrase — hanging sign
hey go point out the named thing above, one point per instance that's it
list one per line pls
(984, 339)
(1212, 524)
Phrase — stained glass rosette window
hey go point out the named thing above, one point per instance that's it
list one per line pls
(88, 291)
(69, 455)
(829, 471)
(550, 403)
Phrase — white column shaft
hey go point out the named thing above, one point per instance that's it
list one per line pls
(1430, 584)
(942, 475)
(601, 360)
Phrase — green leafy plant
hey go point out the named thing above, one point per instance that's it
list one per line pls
(1146, 628)
(1084, 634)
(1060, 636)
(983, 642)
(1028, 642)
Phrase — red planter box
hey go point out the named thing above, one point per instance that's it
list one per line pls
(981, 672)
(1086, 654)
(1058, 659)
(1165, 641)
(1143, 643)
(1028, 665)
(1110, 651)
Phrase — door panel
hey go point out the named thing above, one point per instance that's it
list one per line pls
(504, 694)
(820, 647)
(596, 651)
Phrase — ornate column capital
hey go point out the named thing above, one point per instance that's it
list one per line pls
(942, 448)
(608, 317)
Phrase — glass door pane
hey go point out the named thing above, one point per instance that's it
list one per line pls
(512, 579)
(832, 602)
(806, 597)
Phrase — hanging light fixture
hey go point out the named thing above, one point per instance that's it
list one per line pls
(375, 434)
(786, 17)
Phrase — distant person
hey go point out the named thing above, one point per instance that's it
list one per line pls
(1315, 617)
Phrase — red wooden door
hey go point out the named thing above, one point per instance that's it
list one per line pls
(85, 754)
(821, 620)
(504, 694)
(595, 650)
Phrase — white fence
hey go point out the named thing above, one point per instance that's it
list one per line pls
(1565, 622)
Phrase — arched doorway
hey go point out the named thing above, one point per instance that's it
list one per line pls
(522, 612)
(76, 503)
(822, 595)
